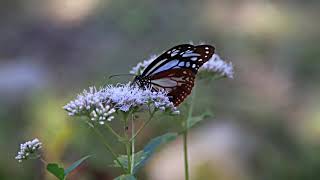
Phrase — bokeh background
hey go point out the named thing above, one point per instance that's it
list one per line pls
(267, 119)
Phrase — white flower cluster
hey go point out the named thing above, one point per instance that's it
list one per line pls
(91, 103)
(218, 66)
(99, 105)
(128, 96)
(215, 65)
(29, 149)
(138, 69)
(102, 113)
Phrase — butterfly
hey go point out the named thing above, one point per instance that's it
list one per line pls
(174, 71)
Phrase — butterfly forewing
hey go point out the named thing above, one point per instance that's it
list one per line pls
(175, 70)
(181, 56)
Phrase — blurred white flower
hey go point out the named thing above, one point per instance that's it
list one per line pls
(91, 103)
(138, 69)
(218, 66)
(29, 150)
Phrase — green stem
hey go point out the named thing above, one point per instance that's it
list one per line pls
(185, 135)
(132, 145)
(112, 131)
(43, 161)
(129, 157)
(185, 150)
(127, 144)
(143, 126)
(115, 156)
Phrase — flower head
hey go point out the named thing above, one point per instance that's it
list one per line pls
(138, 69)
(128, 96)
(91, 103)
(218, 66)
(29, 150)
(99, 105)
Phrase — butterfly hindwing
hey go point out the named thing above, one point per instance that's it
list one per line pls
(177, 82)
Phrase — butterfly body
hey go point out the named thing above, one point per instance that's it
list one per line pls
(174, 71)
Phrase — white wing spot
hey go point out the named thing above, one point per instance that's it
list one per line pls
(188, 64)
(207, 52)
(193, 65)
(190, 54)
(206, 48)
(168, 52)
(205, 56)
(193, 58)
(173, 54)
(181, 63)
(200, 60)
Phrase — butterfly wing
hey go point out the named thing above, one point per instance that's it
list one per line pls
(175, 70)
(177, 82)
(181, 56)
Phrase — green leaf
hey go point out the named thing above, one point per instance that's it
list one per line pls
(123, 159)
(56, 170)
(151, 147)
(125, 177)
(196, 119)
(141, 157)
(138, 158)
(75, 165)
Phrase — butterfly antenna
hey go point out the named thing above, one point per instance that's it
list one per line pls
(117, 75)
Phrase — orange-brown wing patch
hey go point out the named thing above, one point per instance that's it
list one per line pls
(178, 83)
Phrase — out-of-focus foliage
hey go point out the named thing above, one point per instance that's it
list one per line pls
(268, 115)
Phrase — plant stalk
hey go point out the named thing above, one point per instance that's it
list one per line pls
(127, 145)
(106, 144)
(132, 145)
(185, 134)
(143, 126)
(112, 131)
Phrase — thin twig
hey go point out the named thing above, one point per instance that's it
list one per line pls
(143, 126)
(132, 144)
(112, 131)
(115, 156)
(127, 143)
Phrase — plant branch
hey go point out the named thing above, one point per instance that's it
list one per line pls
(132, 144)
(143, 126)
(112, 131)
(185, 134)
(43, 161)
(127, 143)
(115, 156)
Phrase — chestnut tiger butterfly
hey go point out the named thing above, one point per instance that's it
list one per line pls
(174, 71)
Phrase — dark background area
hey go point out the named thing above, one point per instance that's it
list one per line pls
(267, 119)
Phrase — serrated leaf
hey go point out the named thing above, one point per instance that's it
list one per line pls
(125, 177)
(57, 171)
(75, 165)
(196, 119)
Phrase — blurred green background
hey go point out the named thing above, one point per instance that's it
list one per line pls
(267, 120)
